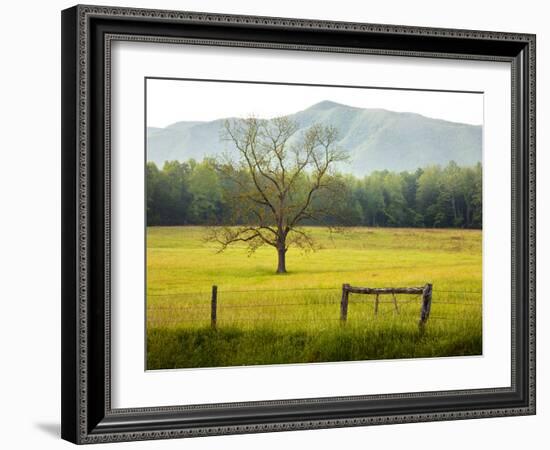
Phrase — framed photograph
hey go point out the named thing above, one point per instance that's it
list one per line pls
(278, 224)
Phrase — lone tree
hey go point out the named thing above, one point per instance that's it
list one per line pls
(278, 179)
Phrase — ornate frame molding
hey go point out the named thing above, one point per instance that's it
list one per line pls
(80, 418)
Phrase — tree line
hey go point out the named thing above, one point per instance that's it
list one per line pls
(198, 193)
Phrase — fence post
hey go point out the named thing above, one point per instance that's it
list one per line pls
(213, 312)
(426, 305)
(344, 304)
(395, 302)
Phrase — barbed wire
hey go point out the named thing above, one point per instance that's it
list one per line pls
(220, 291)
(240, 320)
(250, 291)
(270, 319)
(357, 301)
(221, 305)
(457, 292)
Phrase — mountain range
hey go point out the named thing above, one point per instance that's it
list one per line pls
(376, 139)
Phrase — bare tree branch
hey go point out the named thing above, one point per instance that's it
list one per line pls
(275, 181)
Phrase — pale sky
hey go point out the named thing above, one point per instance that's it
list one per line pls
(170, 101)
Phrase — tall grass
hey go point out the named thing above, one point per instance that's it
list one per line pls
(265, 318)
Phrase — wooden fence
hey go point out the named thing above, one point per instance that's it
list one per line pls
(425, 291)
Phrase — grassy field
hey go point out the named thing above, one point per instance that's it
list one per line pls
(264, 318)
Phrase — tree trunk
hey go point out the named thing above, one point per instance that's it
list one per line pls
(453, 202)
(281, 253)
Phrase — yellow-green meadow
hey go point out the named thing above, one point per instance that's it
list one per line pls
(268, 318)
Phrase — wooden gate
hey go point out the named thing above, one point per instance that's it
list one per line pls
(425, 291)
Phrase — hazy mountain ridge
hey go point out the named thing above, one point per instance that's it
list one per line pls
(376, 139)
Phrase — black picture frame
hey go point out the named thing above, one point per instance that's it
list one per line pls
(87, 416)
